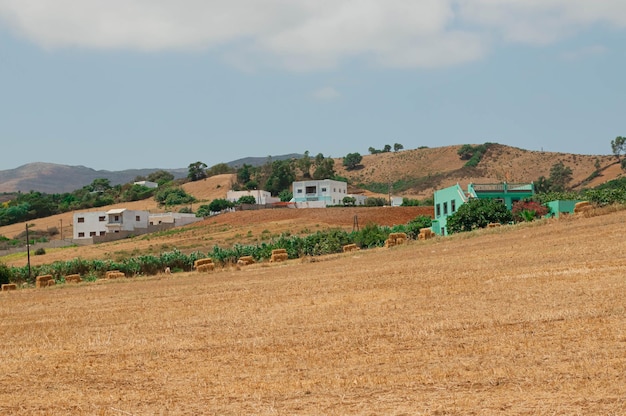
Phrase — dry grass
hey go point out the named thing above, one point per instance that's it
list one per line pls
(515, 320)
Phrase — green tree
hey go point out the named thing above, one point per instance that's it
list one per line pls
(285, 195)
(173, 196)
(478, 213)
(304, 164)
(397, 147)
(247, 199)
(161, 177)
(373, 151)
(100, 185)
(349, 201)
(618, 146)
(414, 226)
(218, 205)
(281, 177)
(324, 167)
(244, 174)
(560, 177)
(374, 201)
(387, 148)
(352, 160)
(466, 152)
(197, 171)
(219, 169)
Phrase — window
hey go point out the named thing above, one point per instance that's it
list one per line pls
(102, 232)
(101, 218)
(116, 218)
(81, 219)
(438, 210)
(311, 189)
(445, 208)
(81, 234)
(92, 233)
(299, 191)
(137, 218)
(323, 189)
(453, 206)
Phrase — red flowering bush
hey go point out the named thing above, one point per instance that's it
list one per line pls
(528, 210)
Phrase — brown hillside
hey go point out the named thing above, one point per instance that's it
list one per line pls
(431, 169)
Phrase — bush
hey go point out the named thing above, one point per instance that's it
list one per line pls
(478, 213)
(40, 251)
(5, 274)
(528, 210)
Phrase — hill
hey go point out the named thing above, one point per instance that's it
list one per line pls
(520, 320)
(419, 172)
(53, 178)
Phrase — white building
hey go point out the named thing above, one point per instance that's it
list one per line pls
(261, 197)
(100, 223)
(147, 184)
(319, 193)
(176, 218)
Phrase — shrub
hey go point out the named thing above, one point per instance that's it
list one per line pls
(528, 210)
(40, 251)
(5, 274)
(478, 213)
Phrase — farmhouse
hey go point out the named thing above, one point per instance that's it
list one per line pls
(448, 200)
(261, 197)
(115, 224)
(321, 193)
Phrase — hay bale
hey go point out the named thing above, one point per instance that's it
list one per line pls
(206, 267)
(245, 260)
(494, 225)
(42, 281)
(426, 233)
(279, 251)
(114, 274)
(51, 282)
(9, 286)
(278, 257)
(72, 278)
(202, 262)
(581, 206)
(350, 247)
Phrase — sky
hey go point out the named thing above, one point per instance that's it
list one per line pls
(123, 84)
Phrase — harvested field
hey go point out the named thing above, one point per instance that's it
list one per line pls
(523, 320)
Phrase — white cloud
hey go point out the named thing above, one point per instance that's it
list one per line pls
(326, 94)
(309, 34)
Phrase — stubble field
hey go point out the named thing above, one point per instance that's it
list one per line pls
(528, 319)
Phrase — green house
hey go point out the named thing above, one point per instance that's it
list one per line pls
(448, 200)
(559, 207)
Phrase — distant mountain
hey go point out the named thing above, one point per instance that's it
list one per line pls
(53, 178)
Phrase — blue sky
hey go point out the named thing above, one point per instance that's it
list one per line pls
(122, 84)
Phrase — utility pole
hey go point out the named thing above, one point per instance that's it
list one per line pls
(28, 250)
